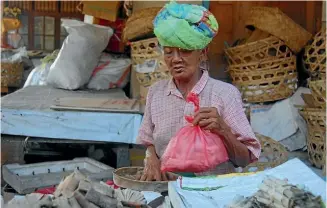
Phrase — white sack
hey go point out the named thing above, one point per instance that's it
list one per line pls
(282, 121)
(79, 54)
(38, 75)
(111, 73)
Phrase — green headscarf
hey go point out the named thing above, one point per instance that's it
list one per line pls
(186, 26)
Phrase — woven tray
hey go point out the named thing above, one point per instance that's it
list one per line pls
(260, 50)
(318, 92)
(316, 122)
(272, 155)
(145, 49)
(126, 178)
(275, 22)
(140, 24)
(11, 74)
(266, 81)
(315, 56)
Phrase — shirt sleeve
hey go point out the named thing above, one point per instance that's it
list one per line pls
(234, 116)
(145, 136)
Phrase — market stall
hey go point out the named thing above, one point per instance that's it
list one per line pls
(79, 94)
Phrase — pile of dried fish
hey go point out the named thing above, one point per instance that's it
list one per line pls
(76, 191)
(275, 193)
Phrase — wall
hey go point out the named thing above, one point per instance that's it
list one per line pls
(324, 14)
(232, 15)
(137, 5)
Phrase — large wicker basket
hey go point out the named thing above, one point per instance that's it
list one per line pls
(318, 91)
(140, 24)
(272, 155)
(260, 50)
(265, 81)
(11, 74)
(315, 56)
(145, 49)
(275, 22)
(148, 79)
(316, 122)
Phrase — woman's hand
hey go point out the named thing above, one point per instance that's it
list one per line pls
(152, 167)
(209, 119)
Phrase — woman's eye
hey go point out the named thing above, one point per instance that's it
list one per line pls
(185, 51)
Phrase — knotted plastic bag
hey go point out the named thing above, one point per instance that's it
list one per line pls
(193, 149)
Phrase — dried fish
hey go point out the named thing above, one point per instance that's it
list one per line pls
(130, 196)
(276, 193)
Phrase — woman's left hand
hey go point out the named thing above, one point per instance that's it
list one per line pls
(209, 119)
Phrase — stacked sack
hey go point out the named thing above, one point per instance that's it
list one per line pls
(315, 111)
(148, 64)
(263, 66)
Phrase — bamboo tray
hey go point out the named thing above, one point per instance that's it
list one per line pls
(275, 22)
(272, 154)
(125, 178)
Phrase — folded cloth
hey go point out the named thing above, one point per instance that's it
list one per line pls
(199, 184)
(185, 26)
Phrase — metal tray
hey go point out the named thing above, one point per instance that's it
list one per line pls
(28, 178)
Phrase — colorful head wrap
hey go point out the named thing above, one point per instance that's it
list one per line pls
(186, 26)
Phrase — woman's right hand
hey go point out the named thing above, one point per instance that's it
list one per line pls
(152, 166)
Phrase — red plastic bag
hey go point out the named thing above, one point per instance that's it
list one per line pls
(193, 149)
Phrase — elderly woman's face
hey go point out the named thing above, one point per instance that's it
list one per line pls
(182, 64)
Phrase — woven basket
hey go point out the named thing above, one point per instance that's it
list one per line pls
(318, 91)
(145, 49)
(315, 118)
(316, 122)
(148, 79)
(317, 147)
(265, 81)
(11, 74)
(272, 155)
(315, 56)
(275, 22)
(140, 24)
(260, 50)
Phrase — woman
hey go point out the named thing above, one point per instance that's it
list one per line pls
(184, 31)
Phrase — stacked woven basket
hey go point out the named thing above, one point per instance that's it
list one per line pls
(263, 67)
(11, 71)
(139, 31)
(148, 50)
(315, 111)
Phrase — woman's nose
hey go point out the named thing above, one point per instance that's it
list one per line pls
(176, 56)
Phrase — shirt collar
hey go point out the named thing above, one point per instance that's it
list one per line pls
(197, 89)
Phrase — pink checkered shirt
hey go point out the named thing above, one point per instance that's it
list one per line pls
(166, 108)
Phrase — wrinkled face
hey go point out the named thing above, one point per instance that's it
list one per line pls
(182, 64)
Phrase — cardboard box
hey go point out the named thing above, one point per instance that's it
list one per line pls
(107, 10)
(137, 156)
(143, 94)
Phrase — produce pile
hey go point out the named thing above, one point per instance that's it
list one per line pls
(276, 193)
